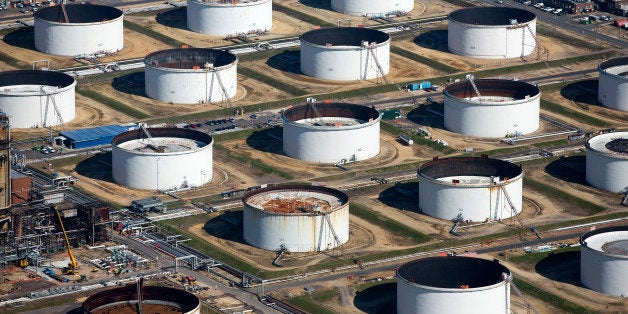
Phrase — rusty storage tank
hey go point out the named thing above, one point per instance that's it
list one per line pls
(154, 299)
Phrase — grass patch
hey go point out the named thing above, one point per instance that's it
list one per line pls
(14, 62)
(548, 297)
(265, 54)
(301, 16)
(387, 223)
(461, 3)
(153, 34)
(421, 59)
(269, 80)
(308, 304)
(254, 163)
(551, 143)
(564, 38)
(175, 204)
(112, 103)
(535, 257)
(231, 136)
(419, 140)
(555, 193)
(562, 110)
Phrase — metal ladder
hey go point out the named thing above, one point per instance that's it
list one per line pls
(333, 232)
(312, 102)
(512, 206)
(51, 98)
(470, 78)
(379, 67)
(152, 144)
(523, 298)
(222, 87)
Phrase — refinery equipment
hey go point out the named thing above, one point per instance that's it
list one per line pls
(79, 30)
(373, 7)
(172, 159)
(35, 98)
(229, 17)
(607, 161)
(492, 32)
(604, 260)
(191, 75)
(491, 107)
(613, 83)
(296, 218)
(470, 189)
(331, 132)
(345, 53)
(5, 166)
(73, 265)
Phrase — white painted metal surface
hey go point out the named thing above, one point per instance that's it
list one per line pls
(27, 97)
(491, 32)
(372, 7)
(613, 83)
(607, 169)
(474, 195)
(296, 231)
(92, 29)
(345, 53)
(220, 18)
(344, 133)
(186, 162)
(169, 79)
(504, 108)
(602, 269)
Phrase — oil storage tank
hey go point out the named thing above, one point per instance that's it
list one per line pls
(154, 299)
(34, 98)
(491, 32)
(604, 260)
(613, 83)
(191, 75)
(331, 132)
(79, 29)
(503, 108)
(607, 161)
(345, 53)
(470, 188)
(229, 17)
(162, 158)
(298, 218)
(372, 7)
(453, 284)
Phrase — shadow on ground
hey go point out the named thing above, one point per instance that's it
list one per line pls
(176, 18)
(420, 115)
(22, 37)
(403, 196)
(433, 39)
(570, 169)
(378, 299)
(584, 92)
(266, 140)
(562, 267)
(132, 83)
(96, 167)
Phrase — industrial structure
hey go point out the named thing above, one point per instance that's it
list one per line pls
(453, 284)
(191, 75)
(470, 188)
(374, 8)
(492, 32)
(162, 158)
(604, 260)
(229, 17)
(296, 218)
(492, 107)
(82, 30)
(331, 132)
(613, 83)
(34, 98)
(345, 53)
(607, 162)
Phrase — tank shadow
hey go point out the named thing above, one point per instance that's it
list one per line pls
(227, 226)
(584, 92)
(318, 4)
(176, 18)
(266, 140)
(562, 267)
(422, 116)
(377, 299)
(22, 37)
(403, 196)
(287, 61)
(96, 167)
(132, 83)
(570, 169)
(433, 39)
(77, 310)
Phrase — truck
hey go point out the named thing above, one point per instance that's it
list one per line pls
(621, 23)
(419, 86)
(405, 139)
(594, 18)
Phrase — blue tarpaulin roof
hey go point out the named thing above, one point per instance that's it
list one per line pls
(93, 134)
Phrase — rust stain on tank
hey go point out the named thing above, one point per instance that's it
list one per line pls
(296, 205)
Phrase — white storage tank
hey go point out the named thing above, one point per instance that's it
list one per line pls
(372, 7)
(470, 188)
(298, 218)
(171, 159)
(504, 107)
(345, 53)
(604, 260)
(492, 32)
(607, 161)
(331, 132)
(613, 83)
(229, 17)
(453, 284)
(89, 29)
(28, 97)
(191, 75)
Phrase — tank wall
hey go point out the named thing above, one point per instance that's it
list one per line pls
(190, 87)
(161, 172)
(491, 120)
(75, 39)
(601, 272)
(373, 7)
(605, 172)
(343, 64)
(38, 110)
(222, 20)
(299, 233)
(475, 203)
(491, 42)
(613, 91)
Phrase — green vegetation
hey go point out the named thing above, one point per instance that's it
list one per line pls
(269, 80)
(254, 163)
(301, 16)
(387, 223)
(364, 286)
(231, 136)
(535, 257)
(562, 110)
(548, 297)
(461, 3)
(308, 304)
(425, 60)
(419, 140)
(153, 34)
(551, 143)
(14, 62)
(564, 38)
(266, 54)
(111, 103)
(175, 204)
(558, 194)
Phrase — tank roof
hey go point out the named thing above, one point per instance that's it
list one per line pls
(331, 110)
(616, 66)
(344, 36)
(516, 90)
(79, 13)
(35, 77)
(469, 166)
(100, 301)
(189, 58)
(609, 240)
(170, 139)
(613, 144)
(296, 199)
(453, 272)
(492, 16)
